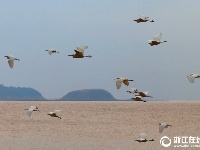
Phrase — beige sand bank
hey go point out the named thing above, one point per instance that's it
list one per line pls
(95, 125)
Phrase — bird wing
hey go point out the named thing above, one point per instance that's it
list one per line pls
(144, 17)
(191, 79)
(157, 37)
(81, 47)
(50, 52)
(126, 82)
(11, 57)
(11, 63)
(143, 136)
(118, 84)
(29, 112)
(33, 107)
(161, 128)
(138, 98)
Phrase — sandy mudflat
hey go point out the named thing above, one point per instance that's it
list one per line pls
(95, 125)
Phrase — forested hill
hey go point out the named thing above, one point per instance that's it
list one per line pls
(19, 93)
(89, 94)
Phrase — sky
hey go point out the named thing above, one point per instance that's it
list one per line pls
(118, 45)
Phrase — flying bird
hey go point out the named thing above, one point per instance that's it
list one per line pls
(156, 40)
(192, 77)
(143, 138)
(133, 90)
(143, 19)
(138, 98)
(54, 113)
(120, 80)
(31, 109)
(11, 60)
(143, 94)
(51, 51)
(162, 126)
(79, 52)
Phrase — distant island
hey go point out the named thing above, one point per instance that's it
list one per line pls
(29, 94)
(19, 93)
(88, 95)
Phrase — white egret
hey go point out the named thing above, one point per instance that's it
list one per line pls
(143, 138)
(79, 52)
(54, 113)
(11, 60)
(143, 19)
(120, 80)
(192, 77)
(156, 40)
(31, 109)
(51, 51)
(162, 126)
(133, 90)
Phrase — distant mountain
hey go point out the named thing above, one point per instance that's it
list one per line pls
(89, 94)
(19, 93)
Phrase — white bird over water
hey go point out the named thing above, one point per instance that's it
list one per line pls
(11, 60)
(51, 51)
(143, 19)
(162, 126)
(192, 77)
(143, 138)
(156, 40)
(31, 109)
(120, 80)
(79, 52)
(54, 113)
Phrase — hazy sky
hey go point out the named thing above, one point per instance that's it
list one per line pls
(118, 46)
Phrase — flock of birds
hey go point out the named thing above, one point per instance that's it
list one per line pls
(79, 53)
(143, 136)
(139, 95)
